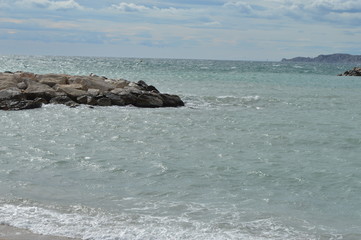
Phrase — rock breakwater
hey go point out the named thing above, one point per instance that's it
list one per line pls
(356, 71)
(24, 90)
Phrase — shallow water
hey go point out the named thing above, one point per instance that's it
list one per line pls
(261, 150)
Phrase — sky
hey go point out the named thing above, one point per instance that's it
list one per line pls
(192, 29)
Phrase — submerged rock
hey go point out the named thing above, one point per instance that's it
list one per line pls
(354, 72)
(22, 90)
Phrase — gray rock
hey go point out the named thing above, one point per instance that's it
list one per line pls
(171, 100)
(93, 92)
(94, 82)
(72, 104)
(142, 85)
(82, 99)
(121, 83)
(35, 89)
(52, 79)
(129, 95)
(8, 80)
(71, 90)
(115, 99)
(91, 100)
(21, 85)
(104, 101)
(11, 93)
(15, 104)
(149, 99)
(60, 100)
(41, 100)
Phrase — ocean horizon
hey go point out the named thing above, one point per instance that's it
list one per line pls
(261, 150)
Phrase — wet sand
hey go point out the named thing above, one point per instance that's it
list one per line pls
(11, 233)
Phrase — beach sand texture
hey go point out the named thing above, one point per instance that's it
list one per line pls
(11, 233)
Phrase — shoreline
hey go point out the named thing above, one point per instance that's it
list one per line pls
(12, 233)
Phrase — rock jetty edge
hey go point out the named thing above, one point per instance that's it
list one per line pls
(356, 71)
(25, 90)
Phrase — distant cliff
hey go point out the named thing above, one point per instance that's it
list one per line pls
(332, 58)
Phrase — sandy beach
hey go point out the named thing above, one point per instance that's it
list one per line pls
(12, 233)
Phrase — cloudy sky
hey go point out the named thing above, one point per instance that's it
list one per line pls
(214, 29)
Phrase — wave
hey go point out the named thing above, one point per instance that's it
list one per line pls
(86, 223)
(252, 101)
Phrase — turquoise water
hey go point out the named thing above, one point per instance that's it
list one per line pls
(262, 150)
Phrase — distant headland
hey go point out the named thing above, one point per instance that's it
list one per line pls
(331, 58)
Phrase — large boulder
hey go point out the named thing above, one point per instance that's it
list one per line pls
(129, 95)
(25, 75)
(11, 93)
(92, 82)
(148, 99)
(52, 79)
(104, 101)
(171, 100)
(71, 90)
(35, 89)
(145, 87)
(115, 99)
(7, 80)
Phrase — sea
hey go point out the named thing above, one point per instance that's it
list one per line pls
(261, 150)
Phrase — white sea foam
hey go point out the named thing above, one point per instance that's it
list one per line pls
(223, 101)
(97, 225)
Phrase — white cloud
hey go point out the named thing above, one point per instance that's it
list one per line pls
(310, 11)
(262, 10)
(153, 11)
(50, 5)
(240, 6)
(335, 6)
(129, 7)
(340, 12)
(65, 5)
(214, 23)
(325, 6)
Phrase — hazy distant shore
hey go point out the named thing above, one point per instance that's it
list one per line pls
(331, 58)
(12, 233)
